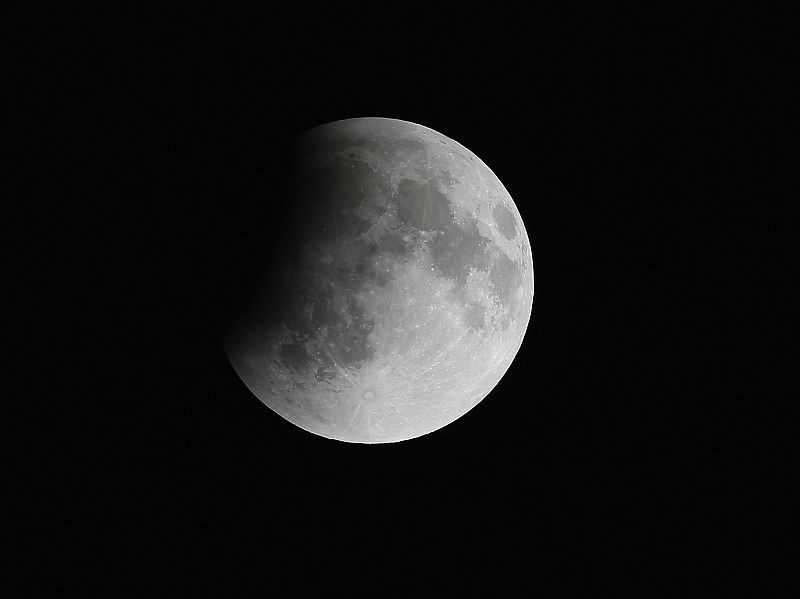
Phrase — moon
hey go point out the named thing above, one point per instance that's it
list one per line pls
(400, 293)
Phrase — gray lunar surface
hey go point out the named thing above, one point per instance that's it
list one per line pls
(406, 297)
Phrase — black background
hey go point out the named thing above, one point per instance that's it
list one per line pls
(610, 446)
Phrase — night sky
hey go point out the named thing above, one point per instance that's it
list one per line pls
(608, 445)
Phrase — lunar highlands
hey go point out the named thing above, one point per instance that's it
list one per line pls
(400, 290)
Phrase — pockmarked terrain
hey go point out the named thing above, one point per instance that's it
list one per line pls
(405, 296)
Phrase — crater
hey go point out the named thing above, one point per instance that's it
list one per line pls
(505, 221)
(505, 278)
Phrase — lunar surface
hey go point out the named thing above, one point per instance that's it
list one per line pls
(404, 296)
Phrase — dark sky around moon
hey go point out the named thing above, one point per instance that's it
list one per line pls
(161, 156)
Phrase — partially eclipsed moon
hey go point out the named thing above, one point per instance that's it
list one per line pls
(406, 297)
